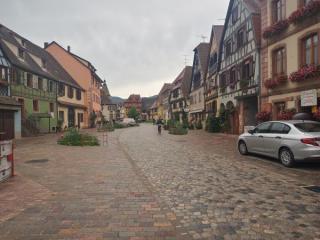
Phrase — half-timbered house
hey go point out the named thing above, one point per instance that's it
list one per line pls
(211, 86)
(196, 95)
(239, 75)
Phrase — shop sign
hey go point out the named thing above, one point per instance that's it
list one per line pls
(309, 98)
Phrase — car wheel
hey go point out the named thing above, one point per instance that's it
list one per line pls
(242, 147)
(286, 157)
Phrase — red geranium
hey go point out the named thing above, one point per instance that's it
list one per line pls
(275, 81)
(276, 28)
(312, 8)
(286, 114)
(263, 116)
(304, 73)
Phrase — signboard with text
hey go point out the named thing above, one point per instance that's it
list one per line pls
(309, 98)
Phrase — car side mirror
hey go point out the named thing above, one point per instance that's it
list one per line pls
(251, 131)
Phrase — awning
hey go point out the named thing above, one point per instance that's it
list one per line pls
(197, 111)
(63, 103)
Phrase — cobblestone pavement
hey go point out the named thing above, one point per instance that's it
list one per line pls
(145, 186)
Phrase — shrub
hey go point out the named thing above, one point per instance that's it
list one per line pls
(171, 123)
(263, 116)
(73, 138)
(118, 125)
(178, 130)
(213, 124)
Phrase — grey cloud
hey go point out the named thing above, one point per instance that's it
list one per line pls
(135, 45)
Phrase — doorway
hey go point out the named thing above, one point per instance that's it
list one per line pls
(71, 117)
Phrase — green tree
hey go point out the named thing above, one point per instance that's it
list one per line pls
(133, 113)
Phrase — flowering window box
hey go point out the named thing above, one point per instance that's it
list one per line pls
(263, 116)
(275, 29)
(311, 9)
(275, 81)
(286, 114)
(305, 72)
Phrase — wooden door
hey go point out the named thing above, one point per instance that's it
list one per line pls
(6, 125)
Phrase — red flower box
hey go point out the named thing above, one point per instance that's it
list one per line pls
(303, 73)
(275, 29)
(263, 116)
(304, 12)
(286, 114)
(273, 82)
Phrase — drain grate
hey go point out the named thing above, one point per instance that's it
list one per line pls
(37, 161)
(313, 188)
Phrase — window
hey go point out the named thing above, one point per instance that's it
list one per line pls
(29, 80)
(78, 94)
(279, 62)
(61, 89)
(40, 83)
(197, 80)
(278, 10)
(199, 97)
(279, 128)
(279, 107)
(23, 42)
(61, 115)
(35, 104)
(241, 38)
(310, 50)
(304, 2)
(70, 92)
(21, 53)
(80, 116)
(44, 63)
(247, 69)
(51, 107)
(228, 48)
(263, 128)
(308, 127)
(235, 14)
(233, 76)
(4, 74)
(50, 88)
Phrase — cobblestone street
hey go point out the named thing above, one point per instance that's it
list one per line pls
(145, 186)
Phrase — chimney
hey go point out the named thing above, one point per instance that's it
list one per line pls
(69, 48)
(46, 44)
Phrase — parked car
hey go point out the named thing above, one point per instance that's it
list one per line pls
(128, 122)
(288, 141)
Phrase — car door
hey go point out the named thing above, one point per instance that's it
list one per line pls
(255, 140)
(278, 132)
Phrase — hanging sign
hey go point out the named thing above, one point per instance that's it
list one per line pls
(309, 98)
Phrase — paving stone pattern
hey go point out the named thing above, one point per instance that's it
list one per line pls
(145, 186)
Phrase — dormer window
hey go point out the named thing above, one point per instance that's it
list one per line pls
(21, 53)
(228, 48)
(44, 63)
(23, 42)
(235, 14)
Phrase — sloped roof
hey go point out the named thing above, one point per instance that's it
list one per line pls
(105, 95)
(216, 33)
(147, 102)
(53, 69)
(133, 98)
(79, 59)
(183, 80)
(203, 50)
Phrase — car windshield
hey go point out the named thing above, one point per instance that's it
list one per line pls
(308, 127)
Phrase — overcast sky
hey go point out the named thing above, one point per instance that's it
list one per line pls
(136, 45)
